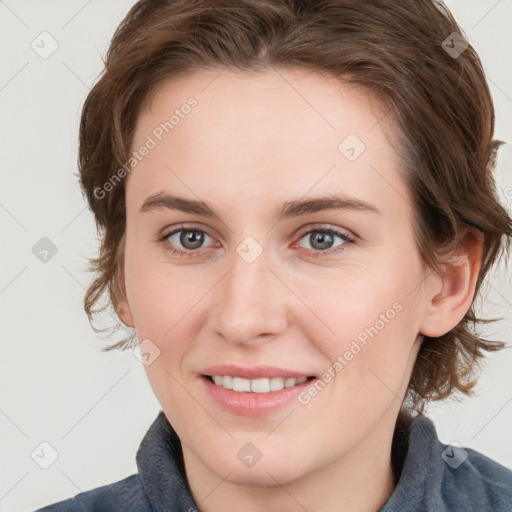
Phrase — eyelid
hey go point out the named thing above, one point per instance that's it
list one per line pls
(330, 228)
(187, 227)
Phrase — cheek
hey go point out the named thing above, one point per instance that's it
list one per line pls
(160, 295)
(365, 322)
(167, 304)
(341, 308)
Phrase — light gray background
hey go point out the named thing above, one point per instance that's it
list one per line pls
(56, 385)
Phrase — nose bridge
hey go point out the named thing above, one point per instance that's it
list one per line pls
(250, 301)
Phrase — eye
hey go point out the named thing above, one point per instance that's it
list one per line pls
(184, 241)
(322, 240)
(188, 241)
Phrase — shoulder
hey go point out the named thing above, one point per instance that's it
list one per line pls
(439, 477)
(472, 478)
(463, 478)
(126, 495)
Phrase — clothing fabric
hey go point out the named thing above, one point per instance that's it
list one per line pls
(432, 476)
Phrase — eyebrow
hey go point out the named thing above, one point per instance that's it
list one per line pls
(287, 210)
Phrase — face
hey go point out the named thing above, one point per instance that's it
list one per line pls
(247, 272)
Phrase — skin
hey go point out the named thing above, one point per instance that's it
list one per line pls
(253, 142)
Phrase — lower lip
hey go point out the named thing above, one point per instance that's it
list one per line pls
(253, 404)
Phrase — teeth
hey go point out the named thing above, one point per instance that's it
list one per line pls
(262, 385)
(276, 383)
(240, 384)
(227, 382)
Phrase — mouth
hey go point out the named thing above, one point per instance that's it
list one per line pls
(254, 397)
(259, 385)
(258, 390)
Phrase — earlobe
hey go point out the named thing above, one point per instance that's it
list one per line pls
(125, 314)
(120, 298)
(453, 288)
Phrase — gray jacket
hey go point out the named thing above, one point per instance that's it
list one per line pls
(433, 477)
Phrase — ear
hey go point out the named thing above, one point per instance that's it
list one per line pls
(121, 304)
(451, 291)
(125, 314)
(120, 300)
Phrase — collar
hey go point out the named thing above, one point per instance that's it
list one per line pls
(162, 470)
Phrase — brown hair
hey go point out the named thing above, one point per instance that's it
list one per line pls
(395, 49)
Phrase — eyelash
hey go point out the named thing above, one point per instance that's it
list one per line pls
(347, 239)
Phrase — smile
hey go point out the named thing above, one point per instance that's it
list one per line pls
(261, 385)
(257, 397)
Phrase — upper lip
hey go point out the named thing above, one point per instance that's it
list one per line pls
(253, 372)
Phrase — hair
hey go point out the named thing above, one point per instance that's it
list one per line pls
(441, 103)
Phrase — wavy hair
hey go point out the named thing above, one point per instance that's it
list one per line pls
(397, 50)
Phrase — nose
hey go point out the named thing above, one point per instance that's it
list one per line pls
(250, 303)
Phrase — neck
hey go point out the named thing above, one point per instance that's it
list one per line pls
(361, 481)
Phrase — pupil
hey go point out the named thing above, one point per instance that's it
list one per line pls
(324, 240)
(191, 239)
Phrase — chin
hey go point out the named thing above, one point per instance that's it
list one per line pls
(270, 472)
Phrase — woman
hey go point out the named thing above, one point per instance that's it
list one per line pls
(297, 212)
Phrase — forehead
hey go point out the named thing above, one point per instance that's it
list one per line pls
(264, 131)
(304, 103)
